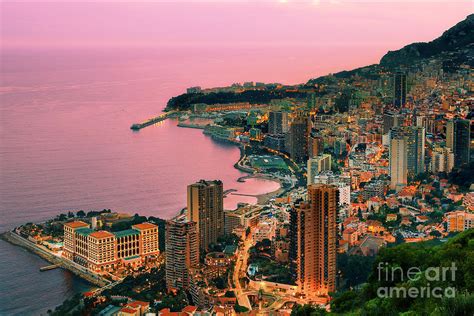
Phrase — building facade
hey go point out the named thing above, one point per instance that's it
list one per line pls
(277, 122)
(298, 138)
(102, 251)
(459, 221)
(182, 252)
(314, 243)
(415, 146)
(442, 160)
(398, 163)
(316, 165)
(458, 139)
(400, 89)
(206, 209)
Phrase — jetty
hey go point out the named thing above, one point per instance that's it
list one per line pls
(50, 267)
(152, 121)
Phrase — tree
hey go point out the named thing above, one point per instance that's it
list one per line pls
(81, 214)
(307, 310)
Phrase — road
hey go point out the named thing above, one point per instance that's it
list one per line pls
(240, 270)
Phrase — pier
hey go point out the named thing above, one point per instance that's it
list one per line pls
(153, 120)
(50, 267)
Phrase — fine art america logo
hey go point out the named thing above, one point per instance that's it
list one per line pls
(435, 275)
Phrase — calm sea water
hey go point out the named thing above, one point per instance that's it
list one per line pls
(65, 142)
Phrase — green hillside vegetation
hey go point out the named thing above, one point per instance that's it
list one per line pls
(185, 101)
(458, 250)
(427, 257)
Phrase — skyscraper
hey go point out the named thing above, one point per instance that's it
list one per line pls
(206, 208)
(390, 120)
(277, 122)
(298, 138)
(315, 145)
(182, 251)
(458, 139)
(316, 240)
(415, 146)
(398, 163)
(400, 89)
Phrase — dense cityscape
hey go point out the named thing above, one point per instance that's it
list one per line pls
(375, 167)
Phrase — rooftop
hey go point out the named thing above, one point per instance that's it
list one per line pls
(127, 232)
(144, 226)
(101, 234)
(76, 224)
(86, 231)
(128, 310)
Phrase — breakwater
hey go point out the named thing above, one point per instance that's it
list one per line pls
(153, 120)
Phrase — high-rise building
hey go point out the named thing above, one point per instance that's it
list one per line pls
(400, 89)
(296, 235)
(458, 139)
(206, 208)
(342, 183)
(315, 243)
(442, 160)
(275, 142)
(182, 251)
(316, 165)
(415, 146)
(298, 138)
(390, 120)
(277, 122)
(315, 145)
(398, 163)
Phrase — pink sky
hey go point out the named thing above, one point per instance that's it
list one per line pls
(383, 24)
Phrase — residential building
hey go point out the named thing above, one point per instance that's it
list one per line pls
(442, 160)
(415, 147)
(398, 163)
(277, 122)
(182, 251)
(459, 221)
(206, 208)
(400, 89)
(316, 165)
(298, 138)
(315, 242)
(458, 139)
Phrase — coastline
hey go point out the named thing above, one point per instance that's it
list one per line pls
(261, 198)
(264, 197)
(14, 239)
(19, 241)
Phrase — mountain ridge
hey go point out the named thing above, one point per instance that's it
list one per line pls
(457, 42)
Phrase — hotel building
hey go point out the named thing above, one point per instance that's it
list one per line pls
(101, 251)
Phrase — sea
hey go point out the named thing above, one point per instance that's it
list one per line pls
(66, 143)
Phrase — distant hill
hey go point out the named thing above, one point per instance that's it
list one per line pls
(459, 38)
(455, 47)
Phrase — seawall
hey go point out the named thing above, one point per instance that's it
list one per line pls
(17, 240)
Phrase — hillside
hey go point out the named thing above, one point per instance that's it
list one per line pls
(454, 47)
(459, 38)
